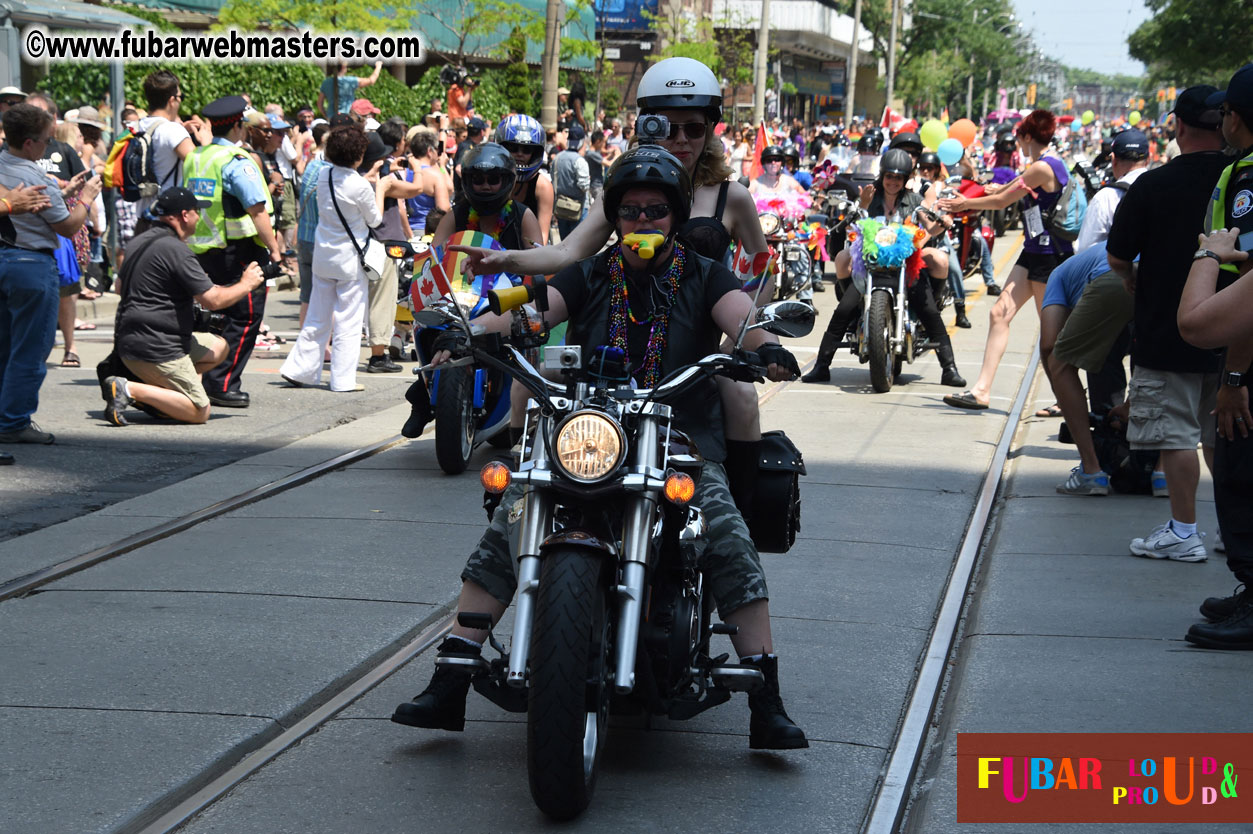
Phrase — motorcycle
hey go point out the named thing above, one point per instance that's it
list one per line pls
(471, 403)
(612, 613)
(887, 330)
(796, 275)
(966, 224)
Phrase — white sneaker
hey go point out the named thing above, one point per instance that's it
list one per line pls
(1219, 547)
(1162, 543)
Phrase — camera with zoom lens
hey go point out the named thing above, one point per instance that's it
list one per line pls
(207, 321)
(272, 270)
(652, 129)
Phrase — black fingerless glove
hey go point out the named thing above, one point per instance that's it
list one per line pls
(775, 354)
(453, 341)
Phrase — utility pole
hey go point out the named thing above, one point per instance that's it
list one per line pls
(970, 79)
(759, 74)
(986, 84)
(850, 77)
(892, 54)
(550, 62)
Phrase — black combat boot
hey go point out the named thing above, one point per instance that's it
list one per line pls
(1234, 632)
(961, 320)
(442, 705)
(770, 728)
(1216, 609)
(420, 409)
(822, 365)
(950, 377)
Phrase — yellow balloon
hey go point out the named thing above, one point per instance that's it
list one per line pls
(1088, 117)
(932, 133)
(1134, 117)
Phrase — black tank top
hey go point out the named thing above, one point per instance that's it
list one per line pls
(708, 236)
(529, 198)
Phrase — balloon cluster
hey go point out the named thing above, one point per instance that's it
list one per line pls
(949, 143)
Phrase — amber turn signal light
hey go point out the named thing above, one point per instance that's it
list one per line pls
(680, 488)
(495, 477)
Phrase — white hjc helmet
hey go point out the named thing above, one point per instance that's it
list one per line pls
(680, 84)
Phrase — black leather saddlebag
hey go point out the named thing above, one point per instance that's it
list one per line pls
(777, 503)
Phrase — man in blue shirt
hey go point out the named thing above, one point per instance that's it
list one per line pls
(1084, 310)
(339, 91)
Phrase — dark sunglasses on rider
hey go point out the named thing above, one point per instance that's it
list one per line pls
(653, 212)
(694, 130)
(492, 178)
(514, 147)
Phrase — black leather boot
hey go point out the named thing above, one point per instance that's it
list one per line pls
(420, 409)
(442, 705)
(961, 321)
(1234, 632)
(770, 728)
(822, 365)
(950, 377)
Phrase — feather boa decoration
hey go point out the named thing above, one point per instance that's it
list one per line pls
(787, 204)
(886, 245)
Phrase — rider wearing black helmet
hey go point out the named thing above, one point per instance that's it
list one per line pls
(485, 204)
(889, 198)
(774, 178)
(684, 303)
(909, 142)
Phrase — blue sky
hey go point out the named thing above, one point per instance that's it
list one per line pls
(1091, 34)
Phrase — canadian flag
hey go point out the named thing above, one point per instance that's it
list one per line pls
(892, 120)
(430, 284)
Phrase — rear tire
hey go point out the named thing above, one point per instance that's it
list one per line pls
(568, 707)
(454, 420)
(879, 342)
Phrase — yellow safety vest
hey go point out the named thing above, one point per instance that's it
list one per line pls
(225, 219)
(1218, 202)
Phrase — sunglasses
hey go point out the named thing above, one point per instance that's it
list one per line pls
(492, 178)
(653, 212)
(10, 102)
(515, 147)
(1224, 110)
(693, 130)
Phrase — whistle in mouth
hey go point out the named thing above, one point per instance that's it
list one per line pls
(645, 244)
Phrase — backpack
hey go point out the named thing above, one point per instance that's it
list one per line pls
(1065, 218)
(130, 167)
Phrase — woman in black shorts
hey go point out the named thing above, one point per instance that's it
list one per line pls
(1039, 188)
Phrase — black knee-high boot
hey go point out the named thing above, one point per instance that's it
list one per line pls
(826, 353)
(420, 412)
(950, 376)
(743, 459)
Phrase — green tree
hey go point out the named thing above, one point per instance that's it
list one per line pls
(1193, 41)
(517, 76)
(684, 35)
(322, 15)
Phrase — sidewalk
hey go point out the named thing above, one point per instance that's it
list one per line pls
(1070, 633)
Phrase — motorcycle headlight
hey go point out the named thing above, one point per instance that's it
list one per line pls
(589, 446)
(770, 223)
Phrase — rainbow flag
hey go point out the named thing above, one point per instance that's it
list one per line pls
(452, 262)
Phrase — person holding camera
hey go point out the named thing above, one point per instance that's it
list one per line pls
(233, 231)
(154, 331)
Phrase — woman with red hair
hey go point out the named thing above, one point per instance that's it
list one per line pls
(1039, 188)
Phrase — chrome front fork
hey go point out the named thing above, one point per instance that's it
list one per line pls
(636, 538)
(537, 513)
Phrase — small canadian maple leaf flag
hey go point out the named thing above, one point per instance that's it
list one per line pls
(429, 281)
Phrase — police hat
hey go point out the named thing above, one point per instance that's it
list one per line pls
(174, 200)
(1239, 91)
(1191, 109)
(225, 110)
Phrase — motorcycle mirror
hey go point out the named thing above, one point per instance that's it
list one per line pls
(786, 318)
(433, 317)
(953, 181)
(398, 248)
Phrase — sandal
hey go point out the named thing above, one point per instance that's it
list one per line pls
(965, 400)
(84, 325)
(1053, 410)
(71, 360)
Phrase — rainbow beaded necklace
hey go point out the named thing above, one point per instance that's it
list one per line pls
(620, 313)
(472, 222)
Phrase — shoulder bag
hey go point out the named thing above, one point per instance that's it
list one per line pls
(373, 256)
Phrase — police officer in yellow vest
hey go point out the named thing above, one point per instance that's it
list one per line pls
(234, 231)
(1219, 262)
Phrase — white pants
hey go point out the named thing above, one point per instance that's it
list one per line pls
(336, 305)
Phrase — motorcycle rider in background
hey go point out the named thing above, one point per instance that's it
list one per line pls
(774, 180)
(889, 198)
(523, 137)
(615, 300)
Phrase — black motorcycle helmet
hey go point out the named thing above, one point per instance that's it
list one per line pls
(897, 161)
(773, 153)
(1005, 142)
(928, 159)
(488, 161)
(791, 154)
(648, 166)
(871, 142)
(908, 142)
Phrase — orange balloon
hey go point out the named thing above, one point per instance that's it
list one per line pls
(964, 131)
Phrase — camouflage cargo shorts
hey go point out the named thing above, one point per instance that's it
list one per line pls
(730, 562)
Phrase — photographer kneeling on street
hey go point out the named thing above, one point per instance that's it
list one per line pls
(153, 333)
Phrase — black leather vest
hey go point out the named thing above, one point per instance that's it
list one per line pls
(691, 335)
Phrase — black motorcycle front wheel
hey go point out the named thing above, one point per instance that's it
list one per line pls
(454, 420)
(568, 707)
(879, 342)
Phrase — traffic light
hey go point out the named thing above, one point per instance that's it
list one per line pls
(1031, 95)
(1161, 95)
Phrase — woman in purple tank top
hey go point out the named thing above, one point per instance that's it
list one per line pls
(1039, 187)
